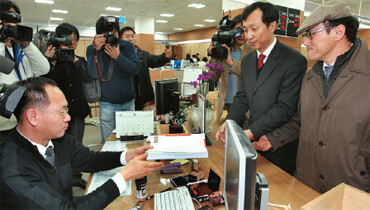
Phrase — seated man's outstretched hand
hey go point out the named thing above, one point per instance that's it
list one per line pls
(263, 144)
(220, 135)
(132, 153)
(138, 167)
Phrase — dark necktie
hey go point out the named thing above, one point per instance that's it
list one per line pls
(328, 70)
(49, 155)
(260, 61)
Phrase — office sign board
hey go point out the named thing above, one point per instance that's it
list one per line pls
(289, 20)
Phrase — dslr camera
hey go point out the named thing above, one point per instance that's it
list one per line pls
(109, 35)
(44, 38)
(225, 34)
(18, 32)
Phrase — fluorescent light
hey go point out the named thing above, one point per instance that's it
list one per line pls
(59, 11)
(210, 20)
(102, 15)
(56, 18)
(113, 9)
(198, 25)
(161, 21)
(44, 1)
(178, 29)
(195, 5)
(53, 25)
(167, 15)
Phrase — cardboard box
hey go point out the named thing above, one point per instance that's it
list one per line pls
(343, 197)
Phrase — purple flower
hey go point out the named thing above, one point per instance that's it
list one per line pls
(211, 72)
(219, 67)
(194, 84)
(209, 65)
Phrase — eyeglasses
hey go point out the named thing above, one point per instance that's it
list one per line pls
(63, 114)
(129, 36)
(309, 34)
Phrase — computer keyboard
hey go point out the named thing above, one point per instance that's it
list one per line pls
(178, 199)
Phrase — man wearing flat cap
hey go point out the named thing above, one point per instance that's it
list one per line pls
(332, 120)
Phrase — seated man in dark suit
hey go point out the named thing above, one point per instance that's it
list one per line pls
(38, 157)
(269, 84)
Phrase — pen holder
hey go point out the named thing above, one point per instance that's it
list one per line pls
(176, 129)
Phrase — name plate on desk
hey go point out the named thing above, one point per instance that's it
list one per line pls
(134, 122)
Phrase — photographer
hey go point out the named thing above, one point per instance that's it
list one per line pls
(229, 78)
(28, 59)
(69, 76)
(115, 63)
(143, 85)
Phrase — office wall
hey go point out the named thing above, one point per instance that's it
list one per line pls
(365, 34)
(146, 42)
(82, 46)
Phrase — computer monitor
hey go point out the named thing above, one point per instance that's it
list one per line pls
(166, 96)
(240, 169)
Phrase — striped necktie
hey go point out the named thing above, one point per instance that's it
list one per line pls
(328, 70)
(49, 155)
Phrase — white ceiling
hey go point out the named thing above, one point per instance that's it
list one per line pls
(84, 13)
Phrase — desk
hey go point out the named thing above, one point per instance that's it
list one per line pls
(284, 189)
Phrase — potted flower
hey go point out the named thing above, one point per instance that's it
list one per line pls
(212, 72)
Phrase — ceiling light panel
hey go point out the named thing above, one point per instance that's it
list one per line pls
(161, 21)
(44, 1)
(59, 11)
(198, 25)
(56, 18)
(167, 15)
(197, 6)
(210, 20)
(116, 9)
(178, 29)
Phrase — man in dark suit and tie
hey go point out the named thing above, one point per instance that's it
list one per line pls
(270, 83)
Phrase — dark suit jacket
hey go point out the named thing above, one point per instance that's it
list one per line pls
(272, 98)
(28, 181)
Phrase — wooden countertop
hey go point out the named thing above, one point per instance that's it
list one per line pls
(284, 189)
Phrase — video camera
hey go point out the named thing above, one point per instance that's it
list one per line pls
(109, 35)
(44, 38)
(10, 95)
(225, 34)
(18, 32)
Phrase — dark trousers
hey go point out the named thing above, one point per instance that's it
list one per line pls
(76, 128)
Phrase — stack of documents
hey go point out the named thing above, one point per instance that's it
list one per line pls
(182, 146)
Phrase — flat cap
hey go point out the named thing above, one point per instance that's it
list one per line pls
(328, 11)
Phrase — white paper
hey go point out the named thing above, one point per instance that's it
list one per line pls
(193, 143)
(114, 146)
(101, 177)
(191, 75)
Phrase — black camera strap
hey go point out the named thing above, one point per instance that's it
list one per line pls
(97, 68)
